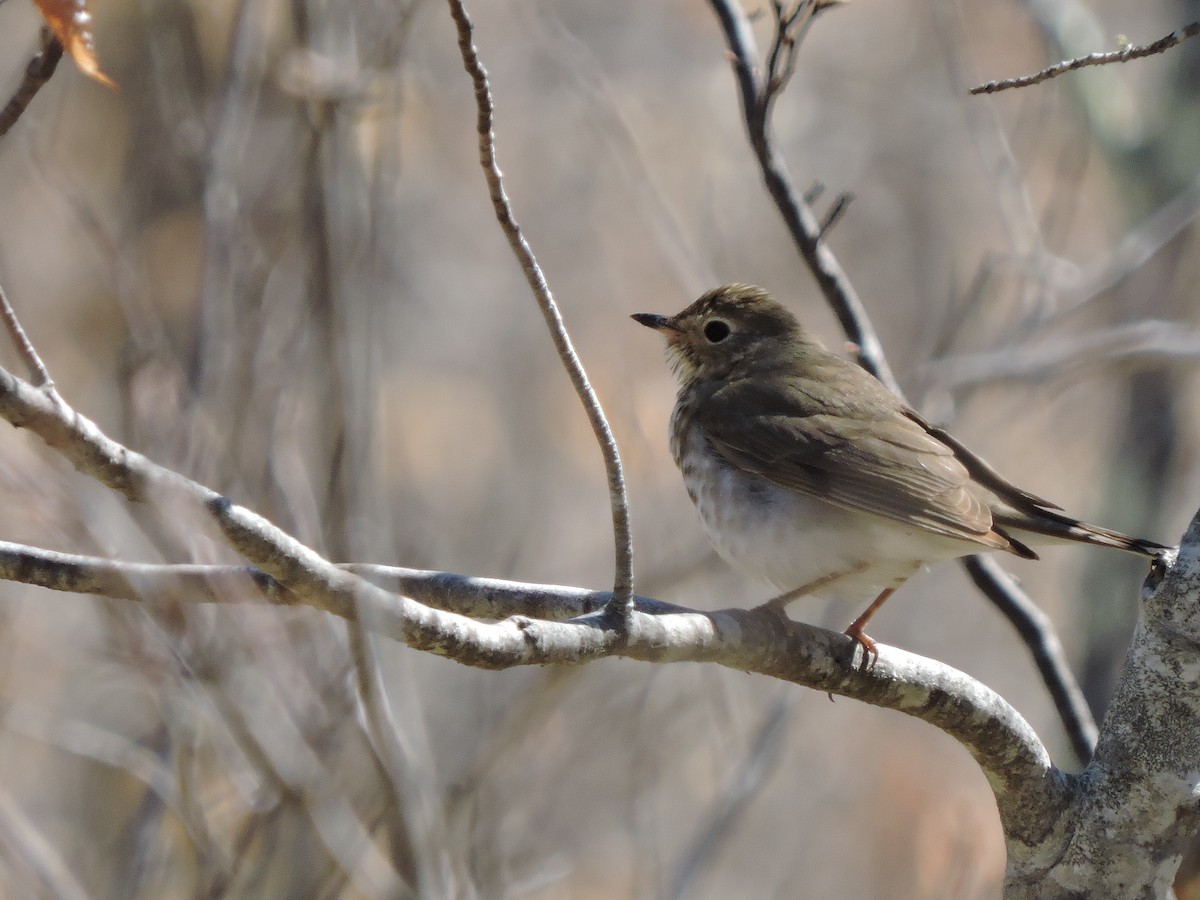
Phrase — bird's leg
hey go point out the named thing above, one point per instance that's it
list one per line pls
(870, 648)
(777, 605)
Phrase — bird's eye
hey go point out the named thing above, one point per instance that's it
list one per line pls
(716, 331)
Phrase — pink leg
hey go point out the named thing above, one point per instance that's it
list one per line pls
(778, 604)
(856, 631)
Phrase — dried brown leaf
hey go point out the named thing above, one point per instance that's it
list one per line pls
(72, 25)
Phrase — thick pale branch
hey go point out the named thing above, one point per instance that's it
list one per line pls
(78, 439)
(1007, 749)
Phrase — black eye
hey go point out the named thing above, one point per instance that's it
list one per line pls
(716, 331)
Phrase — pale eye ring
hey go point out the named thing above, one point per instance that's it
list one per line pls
(716, 331)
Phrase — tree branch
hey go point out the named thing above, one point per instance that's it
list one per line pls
(37, 73)
(1011, 755)
(756, 95)
(1133, 810)
(1092, 59)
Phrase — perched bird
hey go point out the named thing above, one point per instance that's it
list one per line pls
(810, 475)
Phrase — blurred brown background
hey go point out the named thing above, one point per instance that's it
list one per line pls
(269, 261)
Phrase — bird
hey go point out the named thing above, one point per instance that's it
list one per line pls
(809, 474)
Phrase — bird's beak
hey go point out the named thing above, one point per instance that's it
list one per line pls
(653, 320)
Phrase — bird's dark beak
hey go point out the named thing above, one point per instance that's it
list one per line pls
(652, 320)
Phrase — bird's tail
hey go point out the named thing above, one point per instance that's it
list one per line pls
(1057, 527)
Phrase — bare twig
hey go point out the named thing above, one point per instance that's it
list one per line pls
(1092, 59)
(790, 28)
(840, 205)
(1040, 637)
(756, 95)
(33, 362)
(37, 73)
(622, 599)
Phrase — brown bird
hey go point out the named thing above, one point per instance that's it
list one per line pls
(810, 475)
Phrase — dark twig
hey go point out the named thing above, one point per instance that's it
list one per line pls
(756, 96)
(37, 73)
(856, 324)
(1039, 636)
(840, 205)
(622, 600)
(1092, 59)
(790, 26)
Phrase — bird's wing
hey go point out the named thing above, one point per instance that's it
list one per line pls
(870, 457)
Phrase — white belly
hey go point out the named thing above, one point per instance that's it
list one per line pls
(788, 539)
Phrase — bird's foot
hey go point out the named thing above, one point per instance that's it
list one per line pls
(870, 648)
(857, 630)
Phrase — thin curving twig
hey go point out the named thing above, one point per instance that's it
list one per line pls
(1092, 59)
(622, 599)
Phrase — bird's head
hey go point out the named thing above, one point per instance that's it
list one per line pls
(728, 331)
